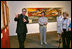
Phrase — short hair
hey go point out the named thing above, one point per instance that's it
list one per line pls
(24, 9)
(65, 13)
(43, 12)
(59, 11)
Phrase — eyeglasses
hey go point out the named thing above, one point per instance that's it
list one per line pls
(23, 11)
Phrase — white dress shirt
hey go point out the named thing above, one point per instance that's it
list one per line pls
(65, 24)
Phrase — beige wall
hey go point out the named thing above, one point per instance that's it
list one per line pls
(16, 6)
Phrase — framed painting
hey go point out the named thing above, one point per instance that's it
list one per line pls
(35, 13)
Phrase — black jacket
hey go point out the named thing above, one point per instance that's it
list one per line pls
(21, 25)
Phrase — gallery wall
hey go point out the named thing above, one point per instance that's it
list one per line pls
(16, 7)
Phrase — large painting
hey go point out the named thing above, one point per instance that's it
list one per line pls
(35, 13)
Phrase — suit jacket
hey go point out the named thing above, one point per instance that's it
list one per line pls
(21, 25)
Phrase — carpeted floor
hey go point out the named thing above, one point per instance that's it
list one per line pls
(33, 41)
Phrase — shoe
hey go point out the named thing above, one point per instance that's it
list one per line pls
(45, 43)
(41, 43)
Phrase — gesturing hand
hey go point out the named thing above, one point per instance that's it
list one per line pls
(24, 19)
(16, 15)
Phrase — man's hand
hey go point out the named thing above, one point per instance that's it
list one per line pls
(16, 15)
(24, 19)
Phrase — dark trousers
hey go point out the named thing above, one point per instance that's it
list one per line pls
(21, 39)
(66, 39)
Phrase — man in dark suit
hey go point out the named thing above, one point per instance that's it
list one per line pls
(21, 29)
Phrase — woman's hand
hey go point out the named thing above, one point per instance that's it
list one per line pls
(69, 29)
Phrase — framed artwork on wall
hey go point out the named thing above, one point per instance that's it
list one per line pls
(35, 13)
